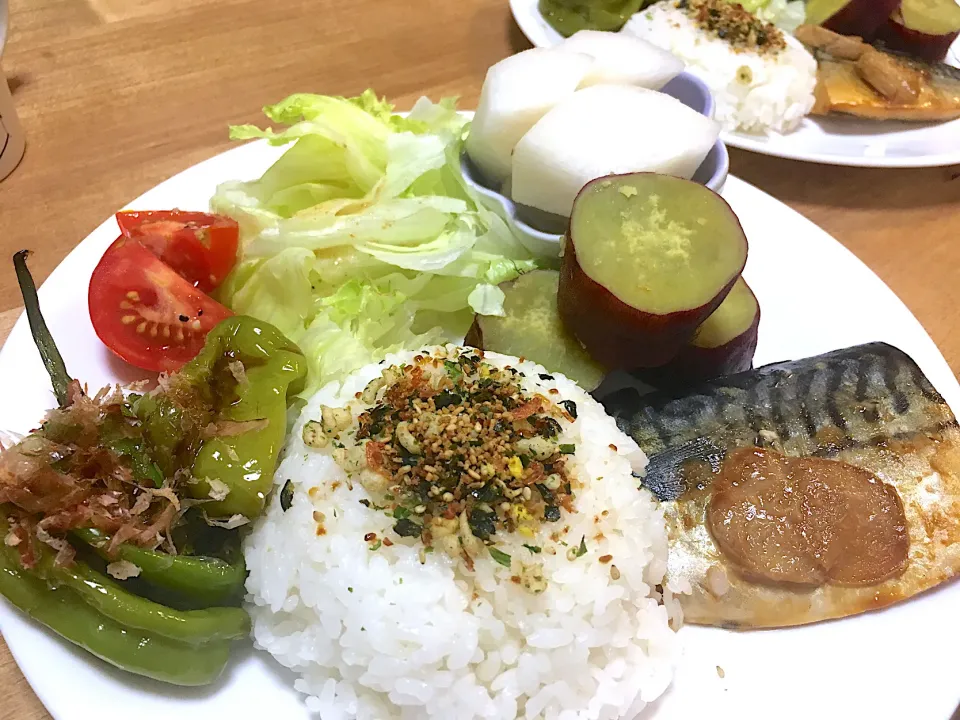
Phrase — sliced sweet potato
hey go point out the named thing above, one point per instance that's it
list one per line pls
(722, 345)
(726, 341)
(532, 329)
(646, 260)
(896, 35)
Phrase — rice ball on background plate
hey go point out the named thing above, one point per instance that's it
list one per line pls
(459, 534)
(762, 79)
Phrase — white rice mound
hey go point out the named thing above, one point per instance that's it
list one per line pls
(775, 92)
(398, 633)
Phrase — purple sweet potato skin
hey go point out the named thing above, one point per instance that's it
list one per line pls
(700, 363)
(931, 48)
(861, 17)
(695, 363)
(620, 336)
(474, 336)
(617, 335)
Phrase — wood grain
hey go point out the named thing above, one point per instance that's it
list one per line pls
(7, 320)
(117, 95)
(19, 701)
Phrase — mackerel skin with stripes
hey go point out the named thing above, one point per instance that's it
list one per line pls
(869, 406)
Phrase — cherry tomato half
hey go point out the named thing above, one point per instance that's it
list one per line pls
(145, 312)
(200, 247)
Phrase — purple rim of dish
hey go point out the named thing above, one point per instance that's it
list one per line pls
(686, 88)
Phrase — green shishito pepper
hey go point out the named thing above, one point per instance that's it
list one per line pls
(240, 382)
(200, 580)
(130, 632)
(222, 418)
(243, 377)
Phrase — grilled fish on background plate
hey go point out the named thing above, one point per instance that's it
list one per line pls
(858, 79)
(805, 490)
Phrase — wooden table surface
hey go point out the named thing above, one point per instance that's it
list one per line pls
(117, 95)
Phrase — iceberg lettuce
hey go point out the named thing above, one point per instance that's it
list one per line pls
(363, 237)
(785, 14)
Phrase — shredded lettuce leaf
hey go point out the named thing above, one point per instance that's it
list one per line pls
(787, 15)
(363, 238)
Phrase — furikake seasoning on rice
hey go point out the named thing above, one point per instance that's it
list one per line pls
(457, 451)
(730, 22)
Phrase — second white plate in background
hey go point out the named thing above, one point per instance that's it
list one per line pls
(831, 140)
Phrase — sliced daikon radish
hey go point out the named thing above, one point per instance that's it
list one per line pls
(516, 93)
(624, 60)
(604, 130)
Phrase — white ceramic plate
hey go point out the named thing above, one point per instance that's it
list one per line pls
(830, 140)
(816, 297)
